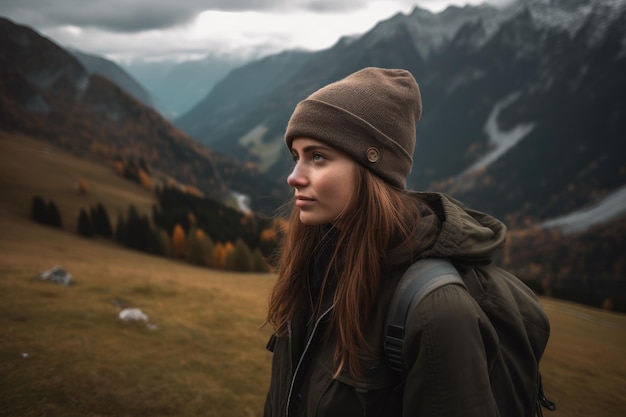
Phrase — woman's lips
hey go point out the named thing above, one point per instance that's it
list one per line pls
(302, 201)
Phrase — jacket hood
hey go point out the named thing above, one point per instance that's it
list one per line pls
(466, 235)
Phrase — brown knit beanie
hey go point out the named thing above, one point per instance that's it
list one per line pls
(370, 115)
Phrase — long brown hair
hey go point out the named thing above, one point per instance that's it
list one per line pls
(380, 219)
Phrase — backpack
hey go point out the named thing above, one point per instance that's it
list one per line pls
(511, 307)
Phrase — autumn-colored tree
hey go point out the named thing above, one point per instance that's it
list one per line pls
(217, 256)
(179, 242)
(191, 218)
(100, 149)
(144, 180)
(281, 225)
(143, 165)
(268, 235)
(258, 261)
(607, 304)
(119, 167)
(163, 243)
(193, 253)
(221, 254)
(82, 186)
(190, 189)
(207, 247)
(200, 248)
(252, 166)
(239, 258)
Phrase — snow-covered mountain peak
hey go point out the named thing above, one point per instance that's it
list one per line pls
(571, 15)
(429, 31)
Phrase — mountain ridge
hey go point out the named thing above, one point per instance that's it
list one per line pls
(524, 60)
(106, 68)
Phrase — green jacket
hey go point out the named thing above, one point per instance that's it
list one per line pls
(450, 345)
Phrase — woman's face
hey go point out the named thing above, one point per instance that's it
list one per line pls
(324, 180)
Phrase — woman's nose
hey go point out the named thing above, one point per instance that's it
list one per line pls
(297, 178)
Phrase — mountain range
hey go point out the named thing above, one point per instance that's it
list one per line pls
(49, 93)
(179, 86)
(524, 106)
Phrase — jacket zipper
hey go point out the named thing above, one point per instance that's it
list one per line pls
(306, 347)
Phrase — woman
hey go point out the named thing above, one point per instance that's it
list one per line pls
(353, 230)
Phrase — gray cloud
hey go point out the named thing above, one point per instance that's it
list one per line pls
(131, 16)
(130, 30)
(328, 6)
(126, 16)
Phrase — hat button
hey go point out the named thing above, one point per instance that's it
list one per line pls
(372, 154)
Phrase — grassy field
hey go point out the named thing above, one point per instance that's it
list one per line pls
(64, 352)
(29, 167)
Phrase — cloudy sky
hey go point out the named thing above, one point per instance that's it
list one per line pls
(131, 30)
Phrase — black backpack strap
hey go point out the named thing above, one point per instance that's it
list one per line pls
(419, 280)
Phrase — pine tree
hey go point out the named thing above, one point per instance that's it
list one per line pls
(207, 247)
(240, 258)
(53, 215)
(38, 210)
(93, 217)
(85, 227)
(200, 248)
(217, 256)
(258, 261)
(150, 237)
(121, 231)
(162, 239)
(193, 252)
(104, 227)
(221, 254)
(133, 228)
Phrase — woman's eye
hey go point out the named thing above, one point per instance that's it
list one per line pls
(294, 157)
(318, 157)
